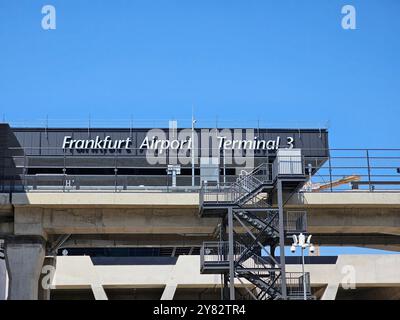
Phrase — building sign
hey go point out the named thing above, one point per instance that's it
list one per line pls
(153, 143)
(96, 143)
(136, 143)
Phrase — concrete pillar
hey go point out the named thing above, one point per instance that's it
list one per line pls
(169, 291)
(98, 291)
(24, 259)
(3, 280)
(46, 277)
(330, 291)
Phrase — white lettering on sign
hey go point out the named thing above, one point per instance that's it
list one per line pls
(96, 143)
(155, 143)
(255, 144)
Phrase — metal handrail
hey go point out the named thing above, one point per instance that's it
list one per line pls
(378, 170)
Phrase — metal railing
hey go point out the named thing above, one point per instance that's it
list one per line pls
(296, 221)
(241, 190)
(295, 285)
(214, 252)
(90, 122)
(344, 170)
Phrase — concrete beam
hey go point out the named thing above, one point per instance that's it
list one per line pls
(344, 200)
(43, 221)
(108, 199)
(354, 220)
(191, 199)
(4, 200)
(134, 240)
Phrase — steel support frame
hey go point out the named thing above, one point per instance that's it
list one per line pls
(255, 238)
(281, 238)
(256, 241)
(225, 276)
(231, 255)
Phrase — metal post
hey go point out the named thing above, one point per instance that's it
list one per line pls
(282, 240)
(193, 180)
(330, 172)
(24, 181)
(231, 256)
(64, 170)
(115, 171)
(174, 178)
(304, 274)
(222, 238)
(369, 172)
(224, 163)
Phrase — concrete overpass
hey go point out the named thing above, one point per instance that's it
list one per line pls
(369, 218)
(34, 223)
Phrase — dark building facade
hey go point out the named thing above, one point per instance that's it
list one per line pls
(109, 158)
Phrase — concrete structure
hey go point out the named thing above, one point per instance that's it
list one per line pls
(370, 218)
(3, 280)
(88, 195)
(351, 277)
(122, 219)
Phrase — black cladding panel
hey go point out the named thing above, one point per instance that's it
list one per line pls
(42, 147)
(29, 153)
(49, 141)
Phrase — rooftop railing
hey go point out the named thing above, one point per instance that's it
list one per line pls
(130, 121)
(344, 170)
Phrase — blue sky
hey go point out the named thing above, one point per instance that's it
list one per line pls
(277, 61)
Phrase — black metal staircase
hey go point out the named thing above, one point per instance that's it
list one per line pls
(255, 225)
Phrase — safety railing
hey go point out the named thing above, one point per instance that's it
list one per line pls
(214, 257)
(295, 285)
(241, 190)
(344, 170)
(295, 221)
(355, 170)
(214, 252)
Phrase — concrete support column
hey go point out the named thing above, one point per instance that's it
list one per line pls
(99, 292)
(3, 280)
(330, 291)
(24, 259)
(169, 291)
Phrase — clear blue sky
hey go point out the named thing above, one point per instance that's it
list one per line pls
(278, 61)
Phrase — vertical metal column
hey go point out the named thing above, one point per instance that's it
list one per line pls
(330, 173)
(192, 152)
(225, 277)
(231, 256)
(282, 240)
(369, 172)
